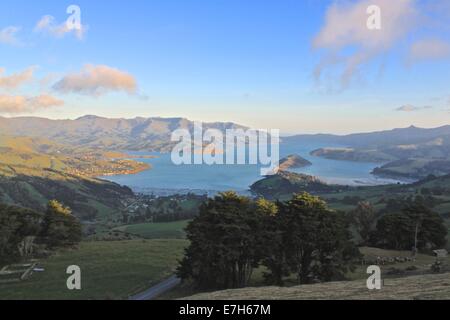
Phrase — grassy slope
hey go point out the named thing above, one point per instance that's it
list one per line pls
(109, 270)
(33, 171)
(30, 187)
(418, 284)
(414, 287)
(359, 276)
(171, 230)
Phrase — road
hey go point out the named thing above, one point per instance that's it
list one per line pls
(157, 290)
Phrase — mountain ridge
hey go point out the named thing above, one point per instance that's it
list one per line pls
(137, 134)
(374, 138)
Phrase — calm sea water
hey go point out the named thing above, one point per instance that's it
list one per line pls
(167, 178)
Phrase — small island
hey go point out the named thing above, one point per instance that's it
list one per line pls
(293, 161)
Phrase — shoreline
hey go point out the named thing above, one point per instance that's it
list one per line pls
(373, 180)
(124, 173)
(402, 178)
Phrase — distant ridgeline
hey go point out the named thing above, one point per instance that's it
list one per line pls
(44, 159)
(149, 134)
(420, 151)
(404, 153)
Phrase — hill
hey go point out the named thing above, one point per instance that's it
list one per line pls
(89, 198)
(410, 152)
(422, 287)
(293, 161)
(283, 184)
(149, 134)
(400, 136)
(35, 170)
(416, 168)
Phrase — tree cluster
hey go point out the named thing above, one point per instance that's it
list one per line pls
(22, 230)
(233, 235)
(404, 225)
(415, 226)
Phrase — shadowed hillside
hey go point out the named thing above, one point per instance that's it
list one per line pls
(34, 171)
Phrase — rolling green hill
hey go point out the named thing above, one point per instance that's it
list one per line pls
(284, 183)
(34, 170)
(89, 198)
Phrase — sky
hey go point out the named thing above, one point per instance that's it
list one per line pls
(299, 66)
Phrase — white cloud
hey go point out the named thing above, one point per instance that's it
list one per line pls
(8, 36)
(15, 80)
(47, 24)
(20, 104)
(429, 49)
(411, 108)
(96, 80)
(345, 30)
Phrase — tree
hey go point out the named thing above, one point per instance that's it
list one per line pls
(224, 243)
(316, 240)
(364, 219)
(273, 254)
(60, 227)
(19, 228)
(416, 226)
(233, 235)
(429, 227)
(394, 231)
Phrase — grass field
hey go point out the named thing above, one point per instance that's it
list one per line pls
(109, 270)
(418, 285)
(421, 266)
(431, 286)
(170, 230)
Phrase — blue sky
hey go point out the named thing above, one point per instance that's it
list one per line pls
(250, 62)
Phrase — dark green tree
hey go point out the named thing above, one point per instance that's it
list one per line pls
(224, 243)
(394, 231)
(19, 228)
(273, 254)
(429, 228)
(316, 240)
(60, 228)
(416, 226)
(363, 218)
